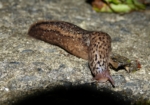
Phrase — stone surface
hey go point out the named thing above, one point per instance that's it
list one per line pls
(28, 65)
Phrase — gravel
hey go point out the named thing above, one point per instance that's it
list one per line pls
(29, 66)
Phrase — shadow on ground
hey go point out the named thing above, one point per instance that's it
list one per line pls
(75, 95)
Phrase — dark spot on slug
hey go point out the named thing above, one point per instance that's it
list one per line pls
(93, 51)
(99, 46)
(98, 62)
(100, 56)
(93, 38)
(100, 38)
(95, 57)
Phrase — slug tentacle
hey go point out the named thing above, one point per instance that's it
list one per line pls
(90, 45)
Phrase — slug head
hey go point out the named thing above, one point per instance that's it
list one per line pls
(104, 76)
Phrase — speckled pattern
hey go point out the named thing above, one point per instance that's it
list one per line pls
(27, 64)
(74, 40)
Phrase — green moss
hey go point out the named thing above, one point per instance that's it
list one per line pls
(128, 61)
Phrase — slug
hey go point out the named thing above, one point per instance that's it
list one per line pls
(94, 46)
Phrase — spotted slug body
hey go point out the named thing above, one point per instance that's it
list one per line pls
(99, 56)
(90, 45)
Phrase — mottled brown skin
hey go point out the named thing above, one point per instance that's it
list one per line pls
(99, 56)
(90, 45)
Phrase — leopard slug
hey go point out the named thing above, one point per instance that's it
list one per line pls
(94, 46)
